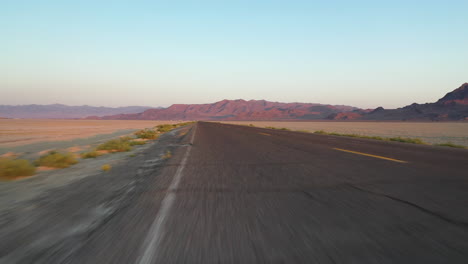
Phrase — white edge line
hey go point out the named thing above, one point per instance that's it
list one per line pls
(156, 231)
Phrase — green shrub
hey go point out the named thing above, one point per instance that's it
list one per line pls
(56, 160)
(115, 145)
(12, 168)
(270, 127)
(90, 155)
(147, 134)
(450, 144)
(286, 129)
(251, 125)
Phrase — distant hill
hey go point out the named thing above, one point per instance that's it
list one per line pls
(458, 97)
(452, 107)
(56, 111)
(238, 110)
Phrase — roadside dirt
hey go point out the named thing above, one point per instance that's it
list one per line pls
(45, 218)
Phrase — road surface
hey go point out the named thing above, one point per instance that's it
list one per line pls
(236, 194)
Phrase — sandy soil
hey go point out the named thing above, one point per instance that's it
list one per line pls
(16, 132)
(434, 132)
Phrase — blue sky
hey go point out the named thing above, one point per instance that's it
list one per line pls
(156, 53)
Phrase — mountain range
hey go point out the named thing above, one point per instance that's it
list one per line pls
(56, 111)
(452, 107)
(238, 110)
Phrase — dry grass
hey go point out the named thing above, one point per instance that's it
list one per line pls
(451, 145)
(106, 167)
(168, 127)
(56, 160)
(11, 169)
(147, 134)
(167, 155)
(397, 139)
(136, 143)
(116, 145)
(90, 155)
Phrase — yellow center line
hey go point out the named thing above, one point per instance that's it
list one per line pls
(370, 155)
(265, 134)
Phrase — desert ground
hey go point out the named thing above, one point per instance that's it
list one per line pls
(15, 132)
(433, 132)
(33, 136)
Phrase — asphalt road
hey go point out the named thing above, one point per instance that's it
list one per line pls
(235, 194)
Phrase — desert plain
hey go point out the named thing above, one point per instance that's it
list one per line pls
(430, 132)
(15, 132)
(33, 135)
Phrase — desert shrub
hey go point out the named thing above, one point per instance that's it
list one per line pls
(450, 144)
(146, 134)
(56, 160)
(136, 143)
(286, 129)
(182, 124)
(167, 155)
(375, 137)
(115, 145)
(320, 132)
(357, 136)
(186, 123)
(270, 127)
(251, 125)
(165, 128)
(407, 140)
(90, 155)
(12, 168)
(106, 167)
(397, 139)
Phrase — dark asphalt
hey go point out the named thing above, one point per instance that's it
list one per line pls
(235, 194)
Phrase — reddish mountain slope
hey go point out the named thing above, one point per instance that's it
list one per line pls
(452, 107)
(237, 110)
(458, 96)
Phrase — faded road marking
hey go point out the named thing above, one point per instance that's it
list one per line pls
(370, 155)
(156, 232)
(265, 134)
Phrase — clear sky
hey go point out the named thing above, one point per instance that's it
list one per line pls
(156, 53)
